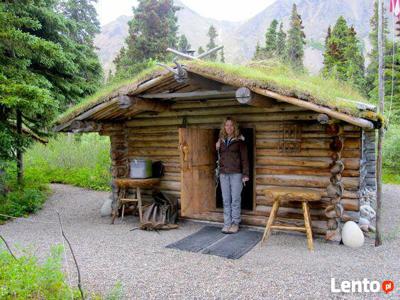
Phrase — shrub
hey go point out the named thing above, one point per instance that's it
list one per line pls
(391, 155)
(78, 160)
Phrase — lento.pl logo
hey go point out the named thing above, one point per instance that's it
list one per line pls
(362, 286)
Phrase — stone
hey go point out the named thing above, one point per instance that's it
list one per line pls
(352, 236)
(106, 210)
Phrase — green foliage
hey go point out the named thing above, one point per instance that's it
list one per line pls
(275, 43)
(281, 43)
(84, 162)
(343, 58)
(391, 153)
(26, 278)
(212, 34)
(296, 40)
(183, 44)
(271, 39)
(21, 200)
(200, 50)
(222, 55)
(152, 30)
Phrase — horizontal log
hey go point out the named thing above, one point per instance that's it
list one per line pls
(315, 134)
(290, 213)
(307, 153)
(217, 119)
(348, 204)
(349, 143)
(347, 194)
(152, 144)
(311, 126)
(245, 96)
(349, 163)
(282, 170)
(153, 152)
(350, 183)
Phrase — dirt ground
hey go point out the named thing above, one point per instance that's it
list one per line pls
(282, 269)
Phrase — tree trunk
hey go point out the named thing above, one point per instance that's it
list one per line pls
(20, 163)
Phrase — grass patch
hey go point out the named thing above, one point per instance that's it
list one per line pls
(107, 92)
(26, 278)
(283, 80)
(82, 161)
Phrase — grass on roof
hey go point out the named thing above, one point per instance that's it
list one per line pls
(104, 93)
(280, 78)
(270, 75)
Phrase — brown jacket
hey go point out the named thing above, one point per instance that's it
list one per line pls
(234, 158)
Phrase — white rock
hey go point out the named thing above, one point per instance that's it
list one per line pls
(352, 235)
(363, 221)
(106, 210)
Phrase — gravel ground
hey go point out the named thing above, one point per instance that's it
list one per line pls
(282, 269)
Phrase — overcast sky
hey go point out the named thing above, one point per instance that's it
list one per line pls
(230, 10)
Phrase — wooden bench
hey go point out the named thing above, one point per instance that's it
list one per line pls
(280, 194)
(125, 183)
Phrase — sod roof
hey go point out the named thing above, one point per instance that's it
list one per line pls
(265, 75)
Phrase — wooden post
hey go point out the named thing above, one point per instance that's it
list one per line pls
(20, 162)
(378, 237)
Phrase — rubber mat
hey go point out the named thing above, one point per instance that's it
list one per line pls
(199, 240)
(210, 240)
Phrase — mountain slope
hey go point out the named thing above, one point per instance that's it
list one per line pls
(240, 39)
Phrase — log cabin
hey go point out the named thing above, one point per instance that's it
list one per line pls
(301, 131)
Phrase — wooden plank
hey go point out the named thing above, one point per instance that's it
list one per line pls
(191, 95)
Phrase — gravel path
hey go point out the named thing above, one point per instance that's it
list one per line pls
(282, 269)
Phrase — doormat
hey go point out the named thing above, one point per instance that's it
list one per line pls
(210, 240)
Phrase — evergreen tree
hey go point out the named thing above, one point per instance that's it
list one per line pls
(271, 40)
(83, 26)
(343, 58)
(296, 40)
(281, 43)
(38, 71)
(257, 54)
(222, 55)
(152, 30)
(183, 44)
(200, 50)
(212, 34)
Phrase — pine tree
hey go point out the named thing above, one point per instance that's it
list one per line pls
(200, 50)
(38, 72)
(222, 55)
(343, 58)
(183, 44)
(281, 43)
(152, 30)
(83, 26)
(296, 40)
(271, 40)
(212, 34)
(257, 53)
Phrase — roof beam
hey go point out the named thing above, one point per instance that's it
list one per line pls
(137, 104)
(191, 95)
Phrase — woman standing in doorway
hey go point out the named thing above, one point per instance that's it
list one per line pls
(234, 172)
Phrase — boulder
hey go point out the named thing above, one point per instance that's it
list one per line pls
(352, 235)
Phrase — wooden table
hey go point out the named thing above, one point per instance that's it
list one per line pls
(280, 194)
(125, 183)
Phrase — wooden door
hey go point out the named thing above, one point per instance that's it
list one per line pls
(198, 156)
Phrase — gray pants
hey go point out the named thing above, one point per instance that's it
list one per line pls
(231, 187)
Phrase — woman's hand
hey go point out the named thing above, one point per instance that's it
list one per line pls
(245, 178)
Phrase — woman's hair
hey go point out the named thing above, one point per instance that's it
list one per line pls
(222, 132)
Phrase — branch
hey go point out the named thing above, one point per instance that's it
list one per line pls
(73, 256)
(8, 248)
(209, 52)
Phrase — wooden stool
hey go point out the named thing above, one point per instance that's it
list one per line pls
(280, 194)
(123, 184)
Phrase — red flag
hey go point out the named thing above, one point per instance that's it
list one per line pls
(395, 7)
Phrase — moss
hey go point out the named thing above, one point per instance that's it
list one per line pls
(107, 92)
(269, 75)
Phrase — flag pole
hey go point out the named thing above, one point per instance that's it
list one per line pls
(378, 236)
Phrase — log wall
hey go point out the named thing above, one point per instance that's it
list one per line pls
(155, 135)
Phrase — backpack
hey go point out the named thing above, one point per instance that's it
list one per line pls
(162, 213)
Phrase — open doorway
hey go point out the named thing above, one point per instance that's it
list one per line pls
(247, 192)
